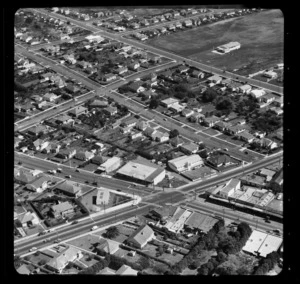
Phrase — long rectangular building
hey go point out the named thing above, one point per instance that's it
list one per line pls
(225, 48)
(185, 163)
(145, 173)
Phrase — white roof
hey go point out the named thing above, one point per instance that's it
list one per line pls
(137, 170)
(214, 78)
(270, 244)
(254, 242)
(257, 92)
(110, 162)
(181, 161)
(170, 101)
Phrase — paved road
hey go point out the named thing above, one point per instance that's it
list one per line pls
(174, 56)
(82, 176)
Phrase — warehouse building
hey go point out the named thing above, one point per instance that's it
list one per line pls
(185, 163)
(228, 47)
(142, 173)
(110, 165)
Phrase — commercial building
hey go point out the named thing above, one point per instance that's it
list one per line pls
(141, 172)
(185, 163)
(228, 189)
(110, 165)
(228, 47)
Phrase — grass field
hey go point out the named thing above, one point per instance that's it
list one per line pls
(260, 36)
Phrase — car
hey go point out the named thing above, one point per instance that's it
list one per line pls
(68, 176)
(94, 228)
(165, 119)
(74, 222)
(77, 170)
(57, 241)
(42, 233)
(33, 249)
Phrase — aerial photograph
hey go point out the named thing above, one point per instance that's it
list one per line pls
(148, 140)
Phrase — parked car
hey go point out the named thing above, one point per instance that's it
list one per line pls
(68, 176)
(42, 233)
(74, 222)
(94, 228)
(33, 249)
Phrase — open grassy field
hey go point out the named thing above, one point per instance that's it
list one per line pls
(260, 36)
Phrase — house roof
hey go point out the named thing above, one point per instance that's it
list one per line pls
(170, 101)
(24, 218)
(78, 110)
(176, 141)
(246, 135)
(219, 159)
(39, 182)
(99, 103)
(108, 246)
(183, 160)
(190, 146)
(69, 186)
(61, 207)
(126, 270)
(214, 78)
(141, 235)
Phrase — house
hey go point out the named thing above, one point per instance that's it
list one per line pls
(210, 121)
(70, 58)
(187, 112)
(84, 64)
(220, 125)
(136, 87)
(23, 269)
(141, 237)
(270, 74)
(176, 141)
(169, 102)
(147, 94)
(155, 59)
(266, 173)
(121, 70)
(39, 184)
(98, 103)
(197, 74)
(235, 129)
(177, 107)
(141, 125)
(245, 89)
(107, 246)
(278, 102)
(84, 156)
(50, 97)
(36, 98)
(218, 160)
(160, 136)
(58, 263)
(189, 148)
(36, 130)
(40, 144)
(257, 93)
(182, 69)
(135, 135)
(70, 188)
(110, 165)
(62, 209)
(268, 98)
(126, 270)
(108, 77)
(72, 89)
(66, 153)
(185, 163)
(51, 148)
(246, 136)
(130, 122)
(277, 110)
(134, 66)
(27, 107)
(196, 116)
(268, 143)
(110, 110)
(215, 79)
(230, 187)
(28, 219)
(187, 23)
(75, 112)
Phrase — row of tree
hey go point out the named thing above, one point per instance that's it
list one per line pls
(266, 264)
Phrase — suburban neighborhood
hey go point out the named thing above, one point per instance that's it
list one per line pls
(134, 156)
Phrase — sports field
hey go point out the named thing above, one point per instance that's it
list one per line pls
(260, 35)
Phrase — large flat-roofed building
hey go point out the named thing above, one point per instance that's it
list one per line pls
(228, 47)
(270, 244)
(145, 173)
(110, 165)
(254, 242)
(185, 163)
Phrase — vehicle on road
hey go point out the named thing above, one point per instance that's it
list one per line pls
(77, 170)
(33, 249)
(52, 172)
(57, 241)
(59, 170)
(74, 222)
(46, 240)
(165, 119)
(94, 228)
(42, 233)
(68, 176)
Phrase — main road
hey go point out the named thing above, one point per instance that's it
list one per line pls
(168, 54)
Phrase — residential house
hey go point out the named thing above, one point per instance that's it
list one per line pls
(277, 110)
(66, 153)
(197, 74)
(50, 97)
(126, 270)
(278, 102)
(36, 130)
(110, 110)
(245, 89)
(75, 112)
(210, 121)
(177, 108)
(235, 129)
(169, 102)
(141, 125)
(108, 246)
(187, 112)
(188, 23)
(72, 89)
(63, 119)
(178, 25)
(234, 86)
(189, 148)
(28, 107)
(84, 64)
(40, 144)
(176, 141)
(108, 77)
(208, 110)
(84, 156)
(70, 188)
(135, 134)
(136, 87)
(182, 69)
(215, 79)
(268, 98)
(62, 209)
(28, 219)
(220, 125)
(130, 122)
(160, 136)
(257, 93)
(246, 136)
(121, 70)
(141, 237)
(147, 94)
(97, 160)
(229, 188)
(270, 74)
(196, 117)
(155, 59)
(58, 263)
(51, 148)
(185, 163)
(134, 66)
(69, 58)
(149, 131)
(218, 160)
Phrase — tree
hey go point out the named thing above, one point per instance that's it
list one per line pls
(144, 262)
(209, 95)
(221, 257)
(243, 271)
(225, 105)
(153, 103)
(276, 188)
(173, 133)
(112, 232)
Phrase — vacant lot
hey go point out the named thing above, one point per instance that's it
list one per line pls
(85, 242)
(211, 131)
(260, 36)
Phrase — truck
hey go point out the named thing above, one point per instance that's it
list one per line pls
(94, 228)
